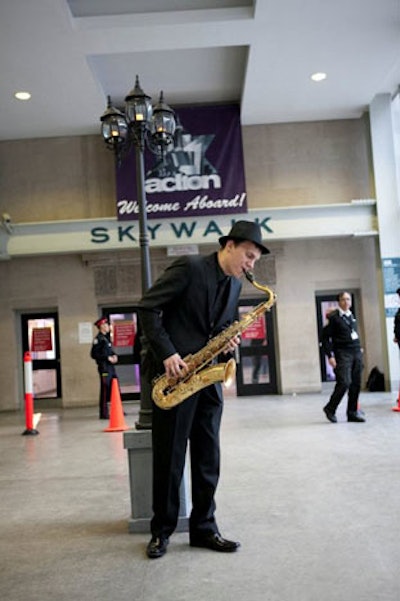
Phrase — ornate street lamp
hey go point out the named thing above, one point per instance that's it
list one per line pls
(141, 125)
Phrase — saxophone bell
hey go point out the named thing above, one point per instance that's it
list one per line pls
(166, 395)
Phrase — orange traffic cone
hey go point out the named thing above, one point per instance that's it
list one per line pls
(397, 408)
(117, 420)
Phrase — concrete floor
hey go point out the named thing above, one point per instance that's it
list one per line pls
(314, 504)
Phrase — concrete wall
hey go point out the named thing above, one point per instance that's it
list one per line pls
(73, 178)
(53, 179)
(75, 287)
(296, 164)
(62, 283)
(310, 267)
(286, 165)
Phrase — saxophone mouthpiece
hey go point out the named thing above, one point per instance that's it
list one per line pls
(249, 276)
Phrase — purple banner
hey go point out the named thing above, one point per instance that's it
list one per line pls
(203, 174)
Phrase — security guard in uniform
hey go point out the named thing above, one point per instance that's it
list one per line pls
(104, 355)
(341, 344)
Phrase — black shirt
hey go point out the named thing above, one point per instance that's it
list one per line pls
(221, 292)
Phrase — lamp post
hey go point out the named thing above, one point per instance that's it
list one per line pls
(141, 125)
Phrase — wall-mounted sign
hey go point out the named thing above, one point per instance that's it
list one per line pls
(123, 333)
(85, 332)
(391, 282)
(289, 223)
(256, 331)
(41, 340)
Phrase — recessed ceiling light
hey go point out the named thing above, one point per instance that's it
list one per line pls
(22, 95)
(318, 76)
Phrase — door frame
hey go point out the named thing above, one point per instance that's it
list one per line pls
(331, 298)
(127, 359)
(263, 388)
(24, 317)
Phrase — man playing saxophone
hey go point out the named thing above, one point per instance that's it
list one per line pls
(191, 302)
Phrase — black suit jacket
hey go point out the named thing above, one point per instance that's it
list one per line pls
(336, 335)
(176, 312)
(100, 351)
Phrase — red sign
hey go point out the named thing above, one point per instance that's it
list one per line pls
(41, 340)
(123, 333)
(256, 331)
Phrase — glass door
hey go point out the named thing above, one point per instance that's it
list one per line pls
(326, 303)
(40, 336)
(123, 322)
(256, 371)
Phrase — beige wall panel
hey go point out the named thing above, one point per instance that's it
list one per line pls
(56, 179)
(286, 164)
(63, 283)
(307, 163)
(305, 268)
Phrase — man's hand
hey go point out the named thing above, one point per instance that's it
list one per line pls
(232, 344)
(113, 359)
(175, 366)
(332, 362)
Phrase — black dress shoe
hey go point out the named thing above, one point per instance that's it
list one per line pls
(356, 417)
(157, 547)
(215, 542)
(331, 416)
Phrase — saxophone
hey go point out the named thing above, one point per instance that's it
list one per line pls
(169, 392)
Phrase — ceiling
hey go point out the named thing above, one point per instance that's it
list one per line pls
(71, 54)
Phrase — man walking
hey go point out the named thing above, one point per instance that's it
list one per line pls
(341, 344)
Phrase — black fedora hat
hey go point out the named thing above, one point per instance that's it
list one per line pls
(246, 230)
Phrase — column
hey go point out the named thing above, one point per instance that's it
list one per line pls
(388, 210)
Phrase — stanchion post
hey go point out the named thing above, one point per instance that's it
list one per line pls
(28, 379)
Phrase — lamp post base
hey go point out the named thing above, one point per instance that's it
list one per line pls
(140, 456)
(145, 421)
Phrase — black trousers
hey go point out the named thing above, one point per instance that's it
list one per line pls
(348, 379)
(105, 393)
(197, 419)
